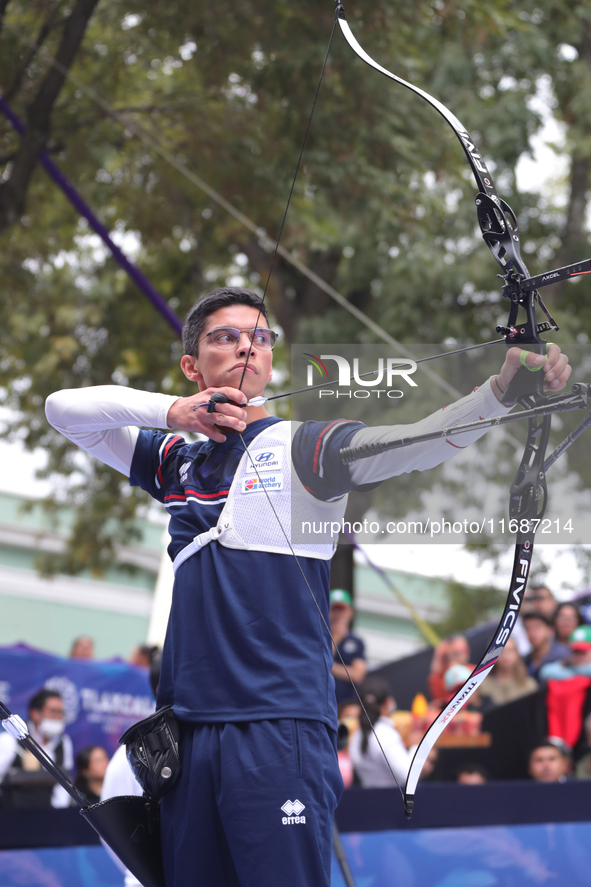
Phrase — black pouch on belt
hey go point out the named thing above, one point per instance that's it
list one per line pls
(153, 752)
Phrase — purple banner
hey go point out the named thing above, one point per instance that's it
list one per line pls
(101, 699)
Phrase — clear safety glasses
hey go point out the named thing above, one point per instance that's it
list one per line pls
(226, 338)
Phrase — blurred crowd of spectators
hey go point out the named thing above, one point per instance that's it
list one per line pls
(23, 781)
(550, 650)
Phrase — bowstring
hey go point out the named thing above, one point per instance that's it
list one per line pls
(322, 617)
(291, 190)
(375, 372)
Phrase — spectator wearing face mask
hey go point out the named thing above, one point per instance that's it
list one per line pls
(26, 783)
(454, 678)
(448, 653)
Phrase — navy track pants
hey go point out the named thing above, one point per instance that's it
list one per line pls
(254, 806)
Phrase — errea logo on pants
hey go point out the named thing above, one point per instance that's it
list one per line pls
(292, 809)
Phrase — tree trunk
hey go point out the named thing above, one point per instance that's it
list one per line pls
(574, 240)
(342, 573)
(341, 569)
(3, 5)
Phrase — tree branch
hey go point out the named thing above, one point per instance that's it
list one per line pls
(34, 49)
(33, 143)
(3, 5)
(577, 206)
(574, 237)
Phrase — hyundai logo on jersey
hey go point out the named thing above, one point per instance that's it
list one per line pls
(266, 460)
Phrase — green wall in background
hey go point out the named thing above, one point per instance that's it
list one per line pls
(52, 626)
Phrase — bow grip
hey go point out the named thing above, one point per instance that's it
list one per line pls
(523, 382)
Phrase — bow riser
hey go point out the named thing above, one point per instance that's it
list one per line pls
(529, 494)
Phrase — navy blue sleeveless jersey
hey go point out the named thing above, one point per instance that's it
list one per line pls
(245, 640)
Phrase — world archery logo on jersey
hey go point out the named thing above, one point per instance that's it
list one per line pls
(269, 482)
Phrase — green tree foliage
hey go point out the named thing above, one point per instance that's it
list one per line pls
(467, 609)
(383, 208)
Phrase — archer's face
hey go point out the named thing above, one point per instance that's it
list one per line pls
(216, 368)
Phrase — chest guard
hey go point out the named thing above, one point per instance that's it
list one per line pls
(266, 493)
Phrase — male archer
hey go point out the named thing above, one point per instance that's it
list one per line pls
(241, 666)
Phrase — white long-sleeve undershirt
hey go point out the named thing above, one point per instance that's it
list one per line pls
(480, 404)
(105, 421)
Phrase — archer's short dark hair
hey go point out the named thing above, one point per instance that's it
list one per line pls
(221, 298)
(37, 701)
